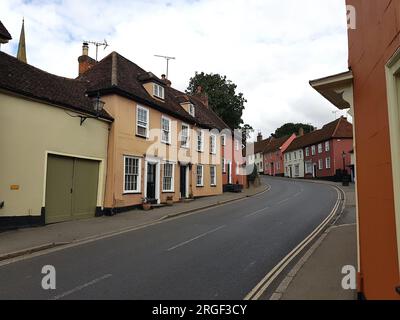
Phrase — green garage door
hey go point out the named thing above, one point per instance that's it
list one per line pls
(71, 188)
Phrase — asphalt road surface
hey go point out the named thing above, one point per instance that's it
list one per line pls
(219, 253)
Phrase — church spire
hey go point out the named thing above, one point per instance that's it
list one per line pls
(21, 55)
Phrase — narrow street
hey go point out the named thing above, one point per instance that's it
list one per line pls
(219, 253)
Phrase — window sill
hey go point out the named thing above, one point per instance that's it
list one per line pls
(142, 137)
(200, 186)
(168, 191)
(167, 143)
(125, 193)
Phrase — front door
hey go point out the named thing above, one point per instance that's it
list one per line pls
(314, 170)
(151, 182)
(229, 172)
(183, 182)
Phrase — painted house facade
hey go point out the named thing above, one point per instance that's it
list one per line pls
(232, 160)
(371, 92)
(294, 159)
(164, 144)
(255, 152)
(54, 168)
(273, 155)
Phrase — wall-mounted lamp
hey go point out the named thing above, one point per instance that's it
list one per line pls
(98, 106)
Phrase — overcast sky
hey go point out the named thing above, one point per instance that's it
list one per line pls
(269, 48)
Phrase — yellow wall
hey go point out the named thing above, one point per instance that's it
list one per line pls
(123, 141)
(28, 131)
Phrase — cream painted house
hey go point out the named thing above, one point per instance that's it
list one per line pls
(163, 145)
(54, 147)
(294, 163)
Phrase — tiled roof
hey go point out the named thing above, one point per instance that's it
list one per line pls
(116, 74)
(26, 80)
(259, 146)
(275, 144)
(4, 32)
(338, 129)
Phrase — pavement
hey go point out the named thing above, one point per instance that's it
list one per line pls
(14, 243)
(318, 274)
(219, 253)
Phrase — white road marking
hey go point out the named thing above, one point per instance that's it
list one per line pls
(283, 201)
(256, 212)
(83, 286)
(195, 238)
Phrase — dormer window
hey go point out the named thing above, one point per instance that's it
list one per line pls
(158, 91)
(191, 110)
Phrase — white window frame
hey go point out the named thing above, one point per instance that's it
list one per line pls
(319, 148)
(213, 180)
(328, 163)
(320, 164)
(238, 167)
(158, 91)
(169, 130)
(327, 146)
(213, 144)
(237, 146)
(393, 92)
(313, 150)
(172, 177)
(307, 152)
(223, 140)
(138, 107)
(309, 167)
(139, 175)
(187, 145)
(223, 165)
(200, 134)
(192, 111)
(202, 175)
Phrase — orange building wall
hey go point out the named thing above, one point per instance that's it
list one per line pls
(374, 41)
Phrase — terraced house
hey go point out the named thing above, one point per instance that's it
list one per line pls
(164, 144)
(273, 155)
(105, 142)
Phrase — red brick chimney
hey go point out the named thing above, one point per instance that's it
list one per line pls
(85, 62)
(165, 80)
(301, 132)
(259, 137)
(202, 95)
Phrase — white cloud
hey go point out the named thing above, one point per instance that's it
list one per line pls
(269, 48)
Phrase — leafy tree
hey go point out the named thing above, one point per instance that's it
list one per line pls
(289, 128)
(222, 97)
(246, 132)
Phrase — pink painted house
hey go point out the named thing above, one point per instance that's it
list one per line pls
(273, 155)
(328, 149)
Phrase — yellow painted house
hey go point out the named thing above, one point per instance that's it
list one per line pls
(52, 165)
(162, 144)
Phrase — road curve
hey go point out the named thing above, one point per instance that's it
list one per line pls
(219, 253)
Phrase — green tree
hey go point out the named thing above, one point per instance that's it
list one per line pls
(246, 132)
(222, 97)
(289, 128)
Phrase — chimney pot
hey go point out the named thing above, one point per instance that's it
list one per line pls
(85, 62)
(301, 132)
(85, 49)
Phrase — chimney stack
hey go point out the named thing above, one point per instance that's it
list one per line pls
(259, 137)
(85, 62)
(301, 132)
(202, 95)
(165, 80)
